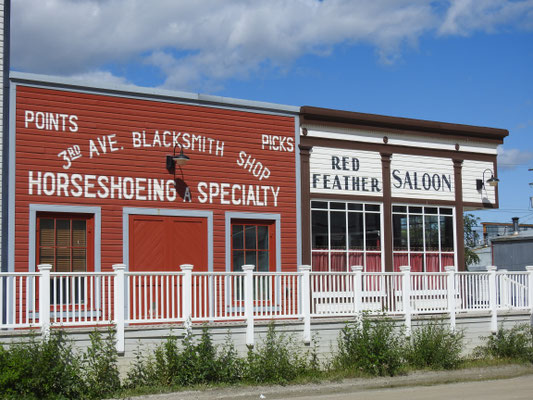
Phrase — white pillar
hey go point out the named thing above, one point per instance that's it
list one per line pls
(529, 269)
(305, 300)
(186, 294)
(357, 288)
(119, 305)
(503, 285)
(44, 298)
(406, 291)
(249, 303)
(493, 303)
(450, 270)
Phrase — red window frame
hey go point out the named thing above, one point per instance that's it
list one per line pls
(88, 218)
(271, 243)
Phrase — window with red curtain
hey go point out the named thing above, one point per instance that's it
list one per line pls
(422, 237)
(345, 234)
(252, 242)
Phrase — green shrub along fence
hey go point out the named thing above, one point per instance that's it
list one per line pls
(51, 369)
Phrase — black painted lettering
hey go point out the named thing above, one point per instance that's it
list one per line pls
(355, 164)
(326, 181)
(355, 183)
(375, 185)
(435, 181)
(446, 180)
(407, 181)
(337, 183)
(335, 162)
(363, 184)
(426, 181)
(396, 176)
(315, 180)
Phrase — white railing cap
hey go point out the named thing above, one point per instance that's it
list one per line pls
(356, 268)
(186, 267)
(119, 267)
(44, 267)
(304, 268)
(492, 268)
(405, 268)
(529, 268)
(449, 268)
(248, 267)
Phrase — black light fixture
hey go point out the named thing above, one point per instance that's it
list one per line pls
(181, 159)
(492, 181)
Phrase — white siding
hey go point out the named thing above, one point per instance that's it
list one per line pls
(473, 170)
(1, 108)
(420, 177)
(341, 171)
(423, 141)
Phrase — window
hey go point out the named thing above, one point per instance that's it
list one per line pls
(65, 242)
(345, 234)
(423, 237)
(252, 242)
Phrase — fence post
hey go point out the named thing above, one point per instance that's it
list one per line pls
(406, 291)
(493, 303)
(249, 303)
(119, 305)
(450, 270)
(529, 269)
(305, 299)
(44, 298)
(503, 285)
(357, 288)
(186, 294)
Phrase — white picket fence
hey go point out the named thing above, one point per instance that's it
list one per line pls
(47, 299)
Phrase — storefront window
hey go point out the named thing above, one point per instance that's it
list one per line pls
(345, 234)
(251, 245)
(423, 237)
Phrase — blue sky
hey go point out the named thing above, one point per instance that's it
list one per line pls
(461, 61)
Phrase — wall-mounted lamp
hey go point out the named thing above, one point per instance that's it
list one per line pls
(173, 160)
(492, 181)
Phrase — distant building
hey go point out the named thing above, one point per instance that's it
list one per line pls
(493, 230)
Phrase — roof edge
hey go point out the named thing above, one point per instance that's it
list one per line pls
(311, 114)
(49, 80)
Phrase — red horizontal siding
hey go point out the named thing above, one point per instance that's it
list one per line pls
(102, 115)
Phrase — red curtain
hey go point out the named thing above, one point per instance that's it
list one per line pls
(447, 260)
(373, 262)
(399, 260)
(338, 262)
(355, 259)
(432, 262)
(320, 261)
(417, 262)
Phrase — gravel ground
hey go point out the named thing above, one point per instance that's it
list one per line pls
(420, 378)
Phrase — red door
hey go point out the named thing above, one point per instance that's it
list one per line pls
(162, 244)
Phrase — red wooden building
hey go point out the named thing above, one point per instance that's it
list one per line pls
(151, 179)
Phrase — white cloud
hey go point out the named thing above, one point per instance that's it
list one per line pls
(513, 158)
(193, 42)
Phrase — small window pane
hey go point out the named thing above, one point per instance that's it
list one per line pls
(355, 231)
(250, 237)
(432, 232)
(251, 258)
(79, 260)
(416, 210)
(63, 232)
(319, 204)
(46, 232)
(79, 233)
(46, 255)
(319, 220)
(238, 236)
(446, 233)
(356, 207)
(446, 211)
(399, 229)
(262, 237)
(373, 234)
(337, 206)
(372, 207)
(430, 210)
(401, 209)
(416, 232)
(262, 261)
(238, 260)
(338, 230)
(62, 260)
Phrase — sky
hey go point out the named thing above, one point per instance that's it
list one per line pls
(459, 61)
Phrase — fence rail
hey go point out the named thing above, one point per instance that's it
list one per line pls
(47, 299)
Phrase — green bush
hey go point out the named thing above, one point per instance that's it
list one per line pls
(371, 346)
(515, 343)
(435, 346)
(278, 359)
(41, 369)
(100, 369)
